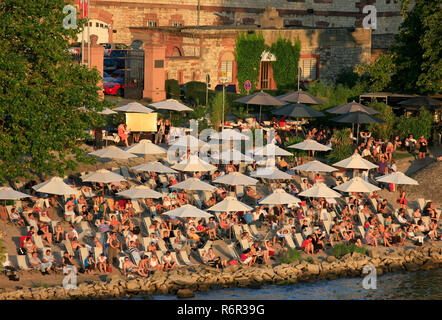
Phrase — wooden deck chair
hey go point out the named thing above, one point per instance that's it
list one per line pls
(374, 204)
(68, 246)
(147, 223)
(409, 212)
(244, 244)
(121, 262)
(395, 226)
(136, 206)
(299, 239)
(255, 231)
(200, 255)
(361, 231)
(237, 231)
(421, 203)
(162, 245)
(327, 226)
(153, 211)
(380, 219)
(145, 242)
(83, 254)
(208, 245)
(185, 258)
(197, 199)
(426, 221)
(174, 256)
(361, 217)
(97, 253)
(38, 241)
(289, 241)
(232, 252)
(22, 262)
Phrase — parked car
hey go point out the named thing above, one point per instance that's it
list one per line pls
(109, 65)
(113, 88)
(109, 47)
(75, 48)
(229, 88)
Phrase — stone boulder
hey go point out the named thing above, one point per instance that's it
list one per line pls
(185, 293)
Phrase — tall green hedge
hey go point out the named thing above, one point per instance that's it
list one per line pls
(249, 47)
(285, 68)
(172, 88)
(196, 91)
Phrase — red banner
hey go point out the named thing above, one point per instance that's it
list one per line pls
(82, 7)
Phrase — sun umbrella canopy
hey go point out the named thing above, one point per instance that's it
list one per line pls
(421, 101)
(271, 173)
(140, 192)
(145, 147)
(300, 97)
(309, 144)
(356, 184)
(397, 178)
(188, 211)
(261, 98)
(107, 111)
(320, 190)
(355, 162)
(134, 107)
(297, 110)
(170, 104)
(315, 166)
(352, 107)
(55, 185)
(112, 152)
(279, 196)
(230, 204)
(271, 150)
(188, 141)
(357, 117)
(232, 155)
(104, 176)
(194, 184)
(155, 166)
(236, 179)
(193, 164)
(7, 193)
(229, 134)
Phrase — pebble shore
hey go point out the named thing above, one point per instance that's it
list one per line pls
(183, 282)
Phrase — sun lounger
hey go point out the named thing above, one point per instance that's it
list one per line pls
(289, 241)
(68, 246)
(237, 231)
(361, 218)
(232, 251)
(380, 218)
(421, 203)
(299, 239)
(162, 245)
(374, 204)
(22, 262)
(83, 254)
(361, 231)
(146, 223)
(174, 256)
(97, 253)
(255, 231)
(426, 221)
(136, 206)
(38, 241)
(185, 258)
(244, 244)
(327, 226)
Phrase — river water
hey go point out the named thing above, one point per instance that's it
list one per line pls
(405, 285)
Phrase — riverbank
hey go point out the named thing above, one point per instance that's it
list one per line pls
(185, 281)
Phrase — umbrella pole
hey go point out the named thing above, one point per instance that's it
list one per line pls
(260, 106)
(357, 135)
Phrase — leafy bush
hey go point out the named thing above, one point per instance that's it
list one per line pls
(340, 250)
(196, 91)
(216, 110)
(342, 146)
(172, 88)
(290, 256)
(383, 130)
(417, 126)
(285, 68)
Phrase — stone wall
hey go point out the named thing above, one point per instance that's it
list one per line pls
(327, 13)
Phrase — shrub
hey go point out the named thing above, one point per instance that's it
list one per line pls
(340, 250)
(172, 88)
(2, 254)
(196, 91)
(343, 146)
(417, 126)
(216, 110)
(290, 256)
(383, 130)
(285, 68)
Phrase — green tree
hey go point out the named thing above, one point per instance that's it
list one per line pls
(248, 50)
(383, 130)
(342, 146)
(216, 110)
(285, 68)
(419, 125)
(417, 51)
(42, 89)
(377, 75)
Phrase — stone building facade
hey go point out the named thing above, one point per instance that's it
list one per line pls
(300, 13)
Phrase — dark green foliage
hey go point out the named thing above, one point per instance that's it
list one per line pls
(419, 125)
(340, 250)
(41, 91)
(196, 91)
(342, 146)
(216, 110)
(290, 256)
(2, 254)
(249, 48)
(285, 68)
(383, 130)
(172, 88)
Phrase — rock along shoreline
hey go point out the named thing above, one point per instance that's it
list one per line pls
(184, 282)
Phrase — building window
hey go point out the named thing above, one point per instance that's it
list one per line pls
(227, 66)
(151, 23)
(308, 69)
(177, 24)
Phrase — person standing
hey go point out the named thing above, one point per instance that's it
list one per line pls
(423, 143)
(160, 131)
(114, 248)
(167, 126)
(123, 133)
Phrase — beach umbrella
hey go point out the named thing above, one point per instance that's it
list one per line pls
(297, 110)
(188, 141)
(194, 184)
(300, 97)
(261, 98)
(271, 173)
(319, 190)
(271, 150)
(310, 145)
(230, 204)
(134, 107)
(145, 147)
(171, 105)
(397, 178)
(229, 134)
(357, 117)
(140, 192)
(193, 164)
(7, 193)
(315, 166)
(236, 179)
(355, 161)
(188, 211)
(352, 107)
(232, 156)
(155, 166)
(112, 152)
(55, 185)
(279, 196)
(356, 184)
(104, 176)
(107, 111)
(421, 101)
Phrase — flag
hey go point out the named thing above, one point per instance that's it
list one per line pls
(79, 4)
